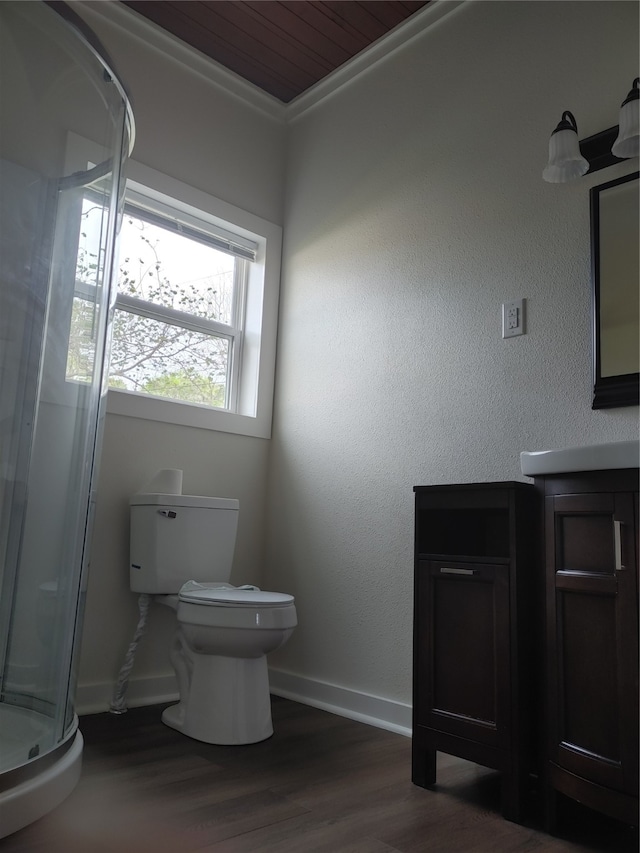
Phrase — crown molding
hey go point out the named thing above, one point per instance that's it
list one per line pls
(153, 36)
(389, 44)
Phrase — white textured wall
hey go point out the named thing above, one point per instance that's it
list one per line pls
(415, 207)
(195, 132)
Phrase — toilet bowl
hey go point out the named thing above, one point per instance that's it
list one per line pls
(219, 655)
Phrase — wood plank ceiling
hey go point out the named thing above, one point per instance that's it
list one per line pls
(281, 47)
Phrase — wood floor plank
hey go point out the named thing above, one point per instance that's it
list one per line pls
(303, 835)
(321, 784)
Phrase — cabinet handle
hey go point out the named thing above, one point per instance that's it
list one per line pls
(617, 544)
(447, 571)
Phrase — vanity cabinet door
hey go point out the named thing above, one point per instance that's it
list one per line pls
(463, 650)
(592, 639)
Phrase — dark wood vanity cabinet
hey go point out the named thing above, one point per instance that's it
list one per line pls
(473, 632)
(591, 648)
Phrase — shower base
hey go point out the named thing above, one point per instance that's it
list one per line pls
(35, 786)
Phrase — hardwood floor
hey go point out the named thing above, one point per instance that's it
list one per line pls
(321, 784)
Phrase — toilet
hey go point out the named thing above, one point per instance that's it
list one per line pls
(181, 553)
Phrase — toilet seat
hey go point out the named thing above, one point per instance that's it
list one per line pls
(227, 596)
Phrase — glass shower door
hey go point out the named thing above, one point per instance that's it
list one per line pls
(66, 130)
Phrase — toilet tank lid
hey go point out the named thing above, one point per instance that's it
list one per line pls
(184, 500)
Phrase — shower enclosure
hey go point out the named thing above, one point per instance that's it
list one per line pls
(66, 129)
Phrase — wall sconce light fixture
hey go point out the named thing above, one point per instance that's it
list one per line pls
(569, 159)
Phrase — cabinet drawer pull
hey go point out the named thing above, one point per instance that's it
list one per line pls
(447, 571)
(617, 542)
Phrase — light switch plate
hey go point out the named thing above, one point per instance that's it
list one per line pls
(513, 318)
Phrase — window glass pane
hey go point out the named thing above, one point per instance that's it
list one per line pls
(88, 278)
(80, 356)
(170, 269)
(157, 358)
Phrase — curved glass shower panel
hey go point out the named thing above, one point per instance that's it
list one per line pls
(65, 134)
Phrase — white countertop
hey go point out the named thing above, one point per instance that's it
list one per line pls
(595, 457)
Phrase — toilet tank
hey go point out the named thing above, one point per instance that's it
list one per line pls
(178, 538)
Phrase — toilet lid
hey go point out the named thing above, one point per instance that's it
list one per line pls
(235, 597)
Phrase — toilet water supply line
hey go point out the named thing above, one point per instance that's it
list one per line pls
(118, 705)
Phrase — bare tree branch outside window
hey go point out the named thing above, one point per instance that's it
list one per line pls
(148, 355)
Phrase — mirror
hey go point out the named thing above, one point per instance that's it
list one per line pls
(615, 225)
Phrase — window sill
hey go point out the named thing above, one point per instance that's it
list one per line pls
(131, 405)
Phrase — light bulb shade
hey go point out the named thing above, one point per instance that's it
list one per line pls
(565, 160)
(627, 143)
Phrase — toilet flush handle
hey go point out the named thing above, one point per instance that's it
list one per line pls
(168, 513)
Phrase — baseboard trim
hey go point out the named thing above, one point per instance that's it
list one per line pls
(373, 710)
(96, 698)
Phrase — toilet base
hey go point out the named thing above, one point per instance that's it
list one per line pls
(223, 700)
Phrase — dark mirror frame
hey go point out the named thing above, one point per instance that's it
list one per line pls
(608, 391)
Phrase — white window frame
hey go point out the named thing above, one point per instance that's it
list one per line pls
(255, 366)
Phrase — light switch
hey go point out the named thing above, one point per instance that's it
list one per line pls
(513, 318)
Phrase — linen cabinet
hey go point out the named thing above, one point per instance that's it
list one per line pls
(474, 665)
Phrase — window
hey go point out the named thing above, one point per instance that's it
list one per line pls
(193, 331)
(179, 314)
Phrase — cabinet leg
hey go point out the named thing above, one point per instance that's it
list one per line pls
(550, 809)
(513, 795)
(423, 767)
